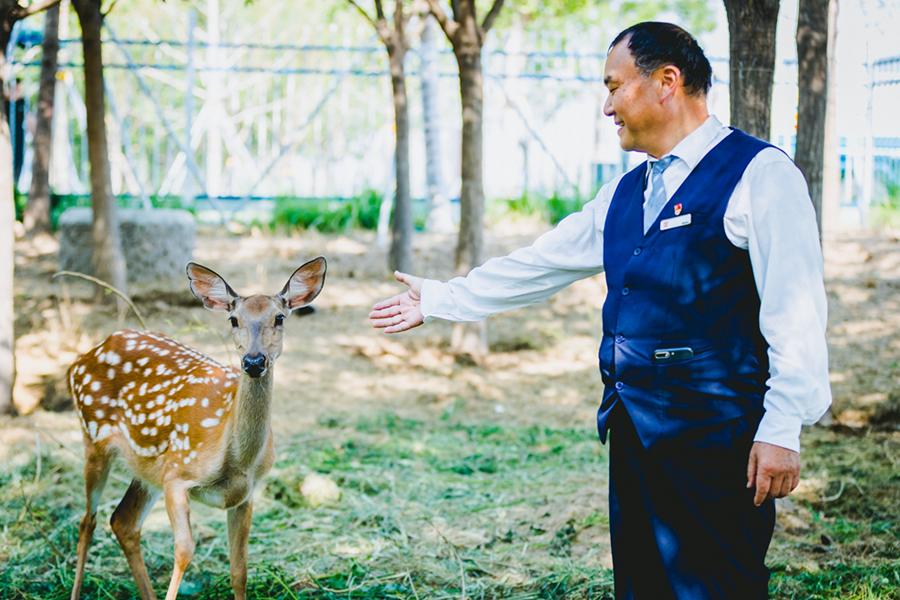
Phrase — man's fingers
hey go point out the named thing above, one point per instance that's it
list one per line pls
(386, 311)
(751, 470)
(787, 486)
(763, 484)
(395, 301)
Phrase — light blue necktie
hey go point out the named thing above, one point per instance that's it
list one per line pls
(657, 199)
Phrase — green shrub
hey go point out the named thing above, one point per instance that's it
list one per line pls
(329, 215)
(553, 209)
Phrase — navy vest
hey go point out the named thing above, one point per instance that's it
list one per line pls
(685, 287)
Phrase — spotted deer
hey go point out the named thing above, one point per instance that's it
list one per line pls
(187, 426)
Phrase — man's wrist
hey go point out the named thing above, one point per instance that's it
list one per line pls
(779, 430)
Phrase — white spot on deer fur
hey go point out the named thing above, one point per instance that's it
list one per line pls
(126, 368)
(142, 361)
(81, 370)
(104, 400)
(112, 358)
(95, 386)
(129, 345)
(104, 432)
(204, 402)
(87, 400)
(99, 413)
(220, 412)
(111, 374)
(143, 389)
(87, 379)
(147, 372)
(145, 431)
(160, 369)
(141, 418)
(187, 459)
(92, 429)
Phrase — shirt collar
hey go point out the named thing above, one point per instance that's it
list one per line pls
(693, 147)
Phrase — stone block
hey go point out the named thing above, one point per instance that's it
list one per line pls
(157, 243)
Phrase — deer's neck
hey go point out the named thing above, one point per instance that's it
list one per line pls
(251, 420)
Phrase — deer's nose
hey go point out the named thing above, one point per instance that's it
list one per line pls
(255, 365)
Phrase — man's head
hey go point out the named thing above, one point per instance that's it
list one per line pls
(658, 78)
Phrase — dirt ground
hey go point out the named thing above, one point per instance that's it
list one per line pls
(542, 370)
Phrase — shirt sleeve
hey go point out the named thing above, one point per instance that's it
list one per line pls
(571, 251)
(770, 214)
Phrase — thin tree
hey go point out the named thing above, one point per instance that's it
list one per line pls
(108, 260)
(395, 39)
(10, 12)
(37, 213)
(467, 38)
(812, 77)
(751, 30)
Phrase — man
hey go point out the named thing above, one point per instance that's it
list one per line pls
(713, 350)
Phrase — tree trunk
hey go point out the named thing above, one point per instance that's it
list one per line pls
(108, 261)
(439, 217)
(401, 255)
(470, 338)
(831, 169)
(7, 238)
(37, 213)
(751, 28)
(812, 76)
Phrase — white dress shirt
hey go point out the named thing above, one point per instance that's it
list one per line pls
(769, 214)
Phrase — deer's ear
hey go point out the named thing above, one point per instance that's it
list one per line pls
(305, 284)
(208, 286)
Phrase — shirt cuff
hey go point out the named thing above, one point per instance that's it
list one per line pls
(433, 293)
(779, 430)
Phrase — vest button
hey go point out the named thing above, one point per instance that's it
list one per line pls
(619, 385)
(625, 291)
(637, 251)
(620, 339)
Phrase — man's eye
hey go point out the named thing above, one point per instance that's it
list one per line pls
(279, 320)
(233, 320)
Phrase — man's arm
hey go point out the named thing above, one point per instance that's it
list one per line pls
(772, 216)
(571, 251)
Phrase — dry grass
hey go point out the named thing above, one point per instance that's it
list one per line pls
(483, 482)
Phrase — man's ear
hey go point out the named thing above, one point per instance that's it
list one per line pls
(211, 288)
(305, 284)
(670, 80)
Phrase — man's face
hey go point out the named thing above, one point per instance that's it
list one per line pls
(631, 99)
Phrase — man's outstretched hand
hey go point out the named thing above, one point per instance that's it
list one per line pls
(775, 471)
(403, 311)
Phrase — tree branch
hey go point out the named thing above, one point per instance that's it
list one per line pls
(364, 13)
(491, 16)
(380, 26)
(448, 25)
(418, 28)
(379, 10)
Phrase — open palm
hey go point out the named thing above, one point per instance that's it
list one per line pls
(403, 311)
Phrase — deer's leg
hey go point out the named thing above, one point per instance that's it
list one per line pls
(126, 523)
(238, 536)
(179, 508)
(96, 470)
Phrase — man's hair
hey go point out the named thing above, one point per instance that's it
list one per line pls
(655, 45)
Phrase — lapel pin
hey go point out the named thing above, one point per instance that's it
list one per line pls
(677, 209)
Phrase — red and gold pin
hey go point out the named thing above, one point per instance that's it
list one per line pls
(677, 209)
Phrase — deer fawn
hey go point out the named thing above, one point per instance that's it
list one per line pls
(187, 426)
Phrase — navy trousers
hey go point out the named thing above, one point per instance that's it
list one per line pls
(682, 521)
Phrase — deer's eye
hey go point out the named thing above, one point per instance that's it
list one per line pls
(233, 320)
(279, 320)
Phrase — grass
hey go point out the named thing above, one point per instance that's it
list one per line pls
(440, 509)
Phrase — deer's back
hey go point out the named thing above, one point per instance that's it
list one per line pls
(153, 398)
